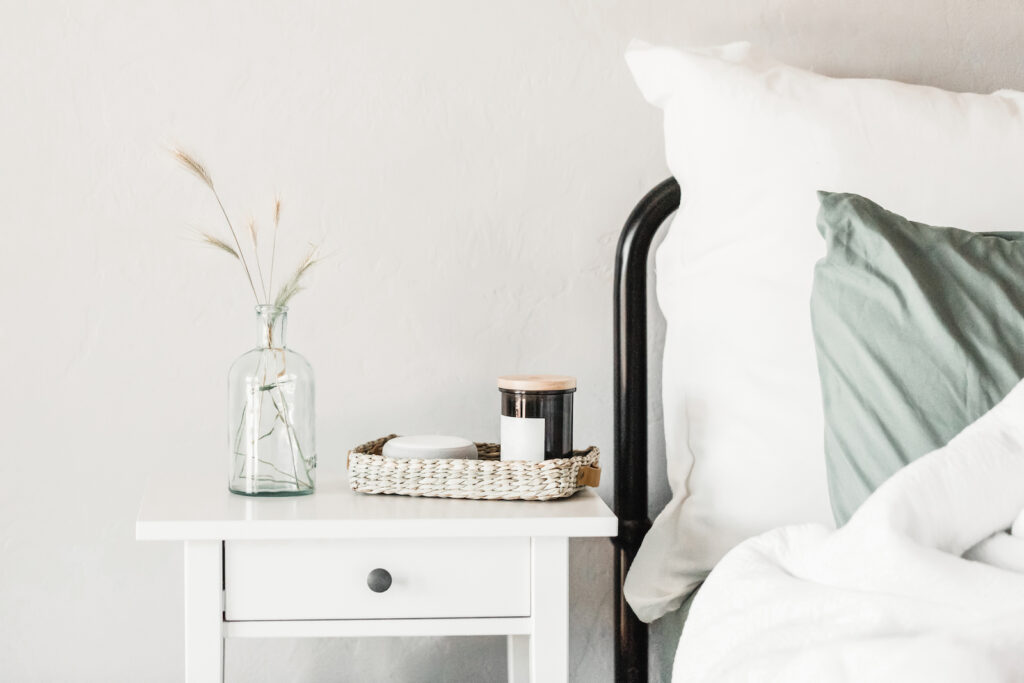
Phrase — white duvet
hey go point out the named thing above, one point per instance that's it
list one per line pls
(892, 596)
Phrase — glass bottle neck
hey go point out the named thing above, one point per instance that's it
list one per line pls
(271, 322)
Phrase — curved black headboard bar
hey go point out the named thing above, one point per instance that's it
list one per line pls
(631, 414)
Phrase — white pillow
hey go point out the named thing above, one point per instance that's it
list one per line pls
(750, 142)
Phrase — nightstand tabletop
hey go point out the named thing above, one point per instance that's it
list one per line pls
(193, 503)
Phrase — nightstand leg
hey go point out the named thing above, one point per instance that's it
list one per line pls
(518, 659)
(204, 613)
(549, 643)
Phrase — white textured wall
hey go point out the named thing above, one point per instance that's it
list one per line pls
(469, 162)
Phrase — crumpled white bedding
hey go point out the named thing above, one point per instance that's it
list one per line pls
(923, 584)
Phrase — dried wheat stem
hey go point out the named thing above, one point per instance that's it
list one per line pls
(273, 248)
(256, 254)
(200, 172)
(238, 244)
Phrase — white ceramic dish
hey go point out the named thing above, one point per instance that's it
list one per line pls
(430, 446)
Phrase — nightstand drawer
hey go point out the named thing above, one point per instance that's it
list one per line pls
(416, 578)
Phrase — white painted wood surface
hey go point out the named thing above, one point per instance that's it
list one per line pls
(549, 639)
(518, 648)
(190, 501)
(327, 579)
(369, 628)
(204, 640)
(297, 567)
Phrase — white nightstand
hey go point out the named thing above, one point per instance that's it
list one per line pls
(301, 567)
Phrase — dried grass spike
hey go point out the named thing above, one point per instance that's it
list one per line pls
(286, 294)
(253, 233)
(273, 247)
(219, 244)
(294, 284)
(193, 166)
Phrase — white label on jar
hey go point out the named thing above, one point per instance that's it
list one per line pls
(522, 438)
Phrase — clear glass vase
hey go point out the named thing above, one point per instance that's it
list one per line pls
(271, 415)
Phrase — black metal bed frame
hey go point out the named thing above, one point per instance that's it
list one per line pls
(631, 414)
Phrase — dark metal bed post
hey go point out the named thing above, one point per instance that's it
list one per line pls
(631, 414)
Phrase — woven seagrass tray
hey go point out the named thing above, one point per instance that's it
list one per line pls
(487, 478)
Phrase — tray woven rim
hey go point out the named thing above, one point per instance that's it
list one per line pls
(487, 478)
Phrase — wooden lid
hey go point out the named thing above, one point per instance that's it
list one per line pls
(537, 382)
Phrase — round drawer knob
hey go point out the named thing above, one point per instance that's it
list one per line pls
(379, 580)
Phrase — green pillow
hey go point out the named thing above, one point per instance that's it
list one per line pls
(919, 331)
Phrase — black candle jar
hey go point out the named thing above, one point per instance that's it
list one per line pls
(536, 416)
